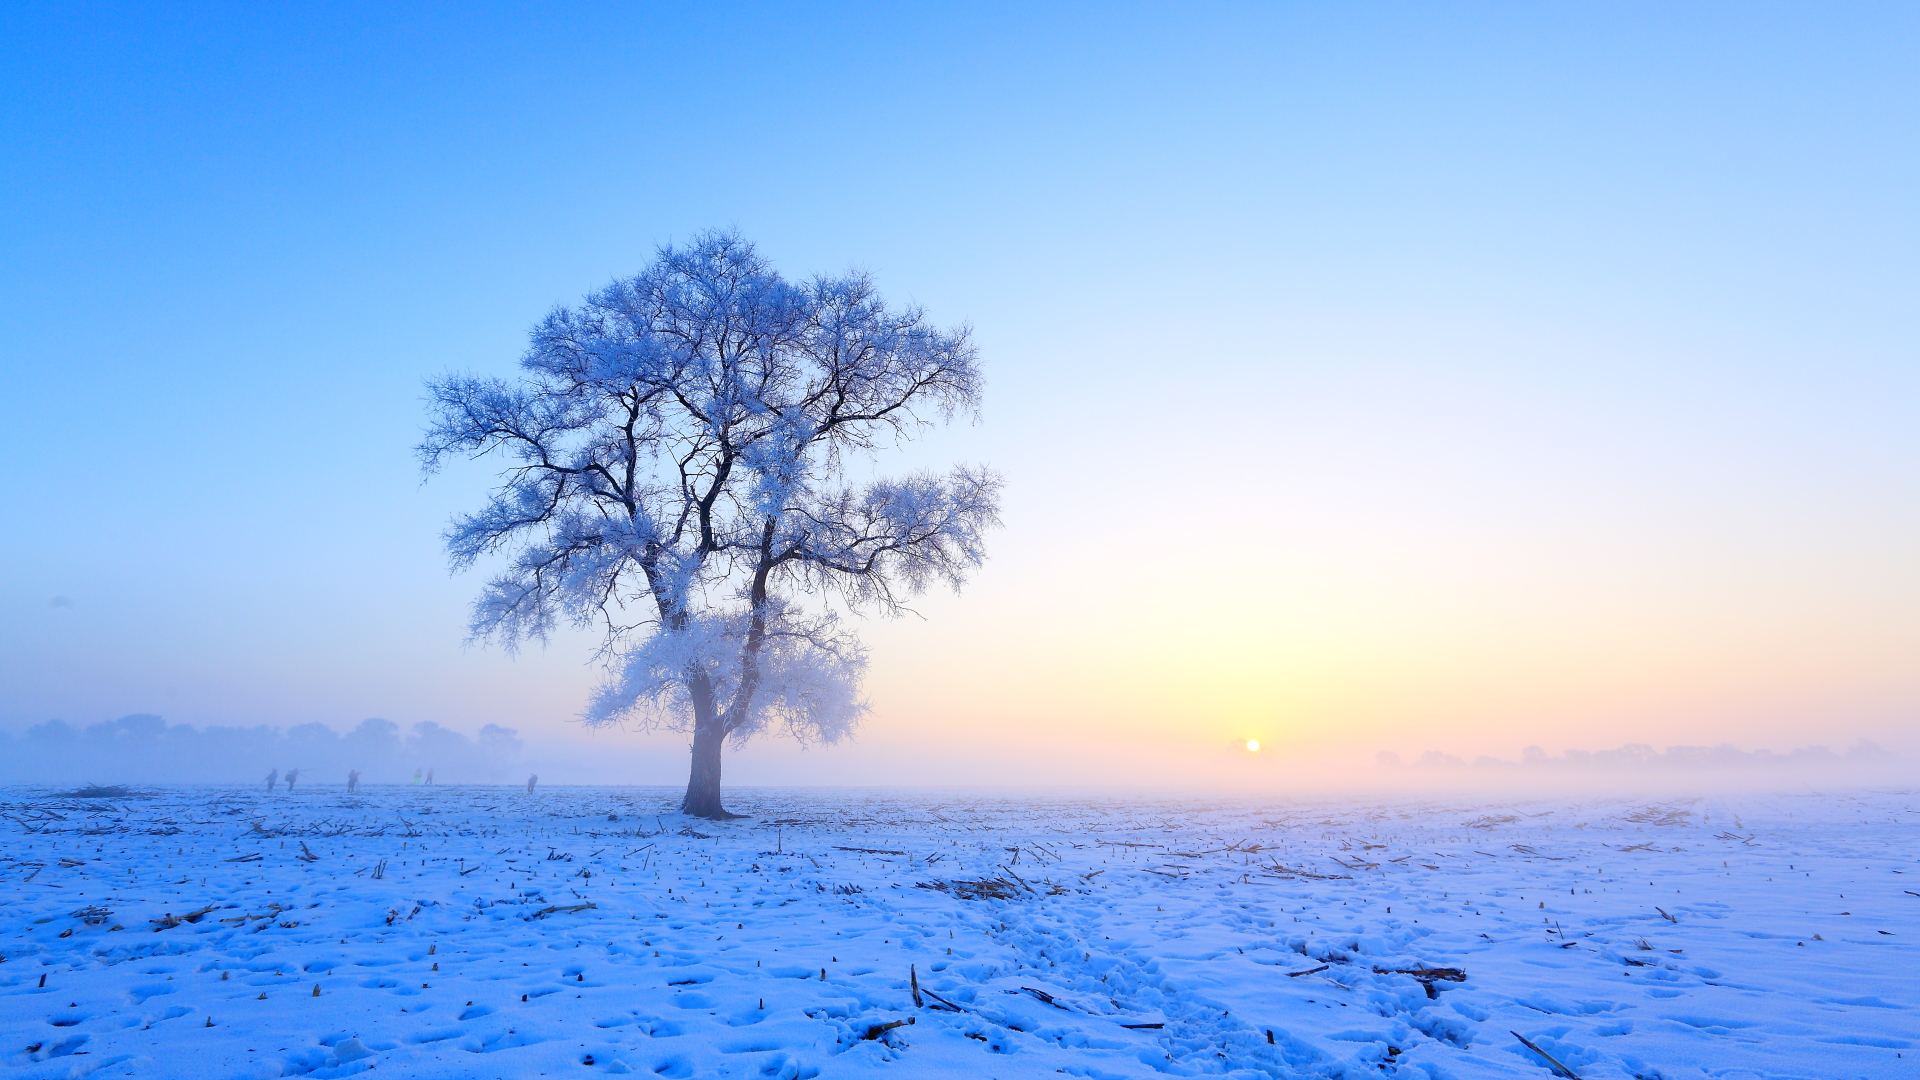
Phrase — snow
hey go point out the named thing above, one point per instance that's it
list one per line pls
(522, 935)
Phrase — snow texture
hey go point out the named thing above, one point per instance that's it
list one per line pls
(483, 932)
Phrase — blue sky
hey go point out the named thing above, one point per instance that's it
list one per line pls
(1366, 376)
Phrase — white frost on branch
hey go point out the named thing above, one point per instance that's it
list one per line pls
(809, 676)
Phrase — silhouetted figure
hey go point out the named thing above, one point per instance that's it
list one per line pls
(429, 777)
(532, 780)
(273, 779)
(292, 775)
(353, 780)
(416, 778)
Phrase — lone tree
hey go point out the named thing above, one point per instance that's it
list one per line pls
(678, 449)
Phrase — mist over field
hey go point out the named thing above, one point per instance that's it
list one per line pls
(147, 750)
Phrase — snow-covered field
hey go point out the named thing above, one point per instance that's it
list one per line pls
(485, 932)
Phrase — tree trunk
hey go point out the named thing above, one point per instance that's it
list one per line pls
(709, 737)
(703, 783)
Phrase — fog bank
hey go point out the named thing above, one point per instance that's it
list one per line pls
(1639, 767)
(145, 749)
(1639, 757)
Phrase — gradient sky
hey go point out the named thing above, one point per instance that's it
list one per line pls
(1367, 376)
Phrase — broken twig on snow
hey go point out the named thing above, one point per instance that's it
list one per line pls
(1558, 1069)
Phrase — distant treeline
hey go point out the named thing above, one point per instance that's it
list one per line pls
(146, 749)
(1639, 757)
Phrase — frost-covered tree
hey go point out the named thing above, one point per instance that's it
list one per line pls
(678, 450)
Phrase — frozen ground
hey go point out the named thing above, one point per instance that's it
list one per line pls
(511, 935)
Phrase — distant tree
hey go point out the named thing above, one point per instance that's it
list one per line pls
(679, 449)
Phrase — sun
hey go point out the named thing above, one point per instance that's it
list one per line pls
(1253, 745)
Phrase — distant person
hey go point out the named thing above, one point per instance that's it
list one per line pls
(292, 775)
(273, 779)
(429, 777)
(532, 780)
(416, 778)
(353, 781)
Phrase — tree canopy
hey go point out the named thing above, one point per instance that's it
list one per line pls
(676, 474)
